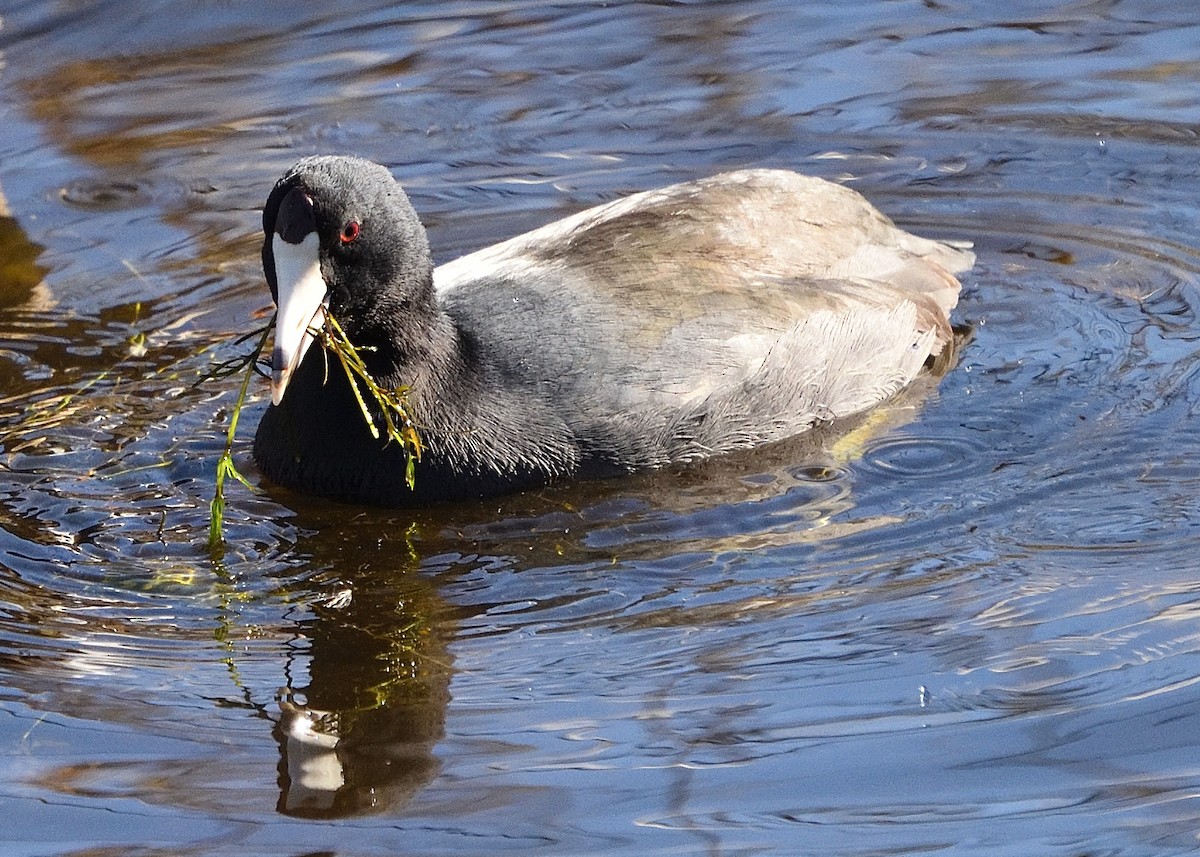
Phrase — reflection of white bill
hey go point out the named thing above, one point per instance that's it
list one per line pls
(314, 770)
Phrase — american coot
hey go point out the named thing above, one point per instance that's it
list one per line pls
(668, 326)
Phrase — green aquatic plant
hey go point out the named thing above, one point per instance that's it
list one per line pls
(398, 424)
(225, 465)
(391, 407)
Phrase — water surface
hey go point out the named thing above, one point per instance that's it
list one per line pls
(970, 624)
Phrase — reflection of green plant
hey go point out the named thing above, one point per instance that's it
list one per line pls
(392, 407)
(137, 341)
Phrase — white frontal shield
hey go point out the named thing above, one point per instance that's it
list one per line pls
(302, 294)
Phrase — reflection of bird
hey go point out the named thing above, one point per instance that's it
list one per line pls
(668, 326)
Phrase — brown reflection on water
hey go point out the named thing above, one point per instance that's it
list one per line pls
(21, 277)
(125, 111)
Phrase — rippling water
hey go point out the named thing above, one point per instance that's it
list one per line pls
(968, 624)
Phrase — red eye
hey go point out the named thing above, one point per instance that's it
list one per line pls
(350, 232)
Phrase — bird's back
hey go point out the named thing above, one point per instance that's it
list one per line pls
(710, 316)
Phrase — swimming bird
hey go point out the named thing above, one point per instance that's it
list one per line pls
(665, 327)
